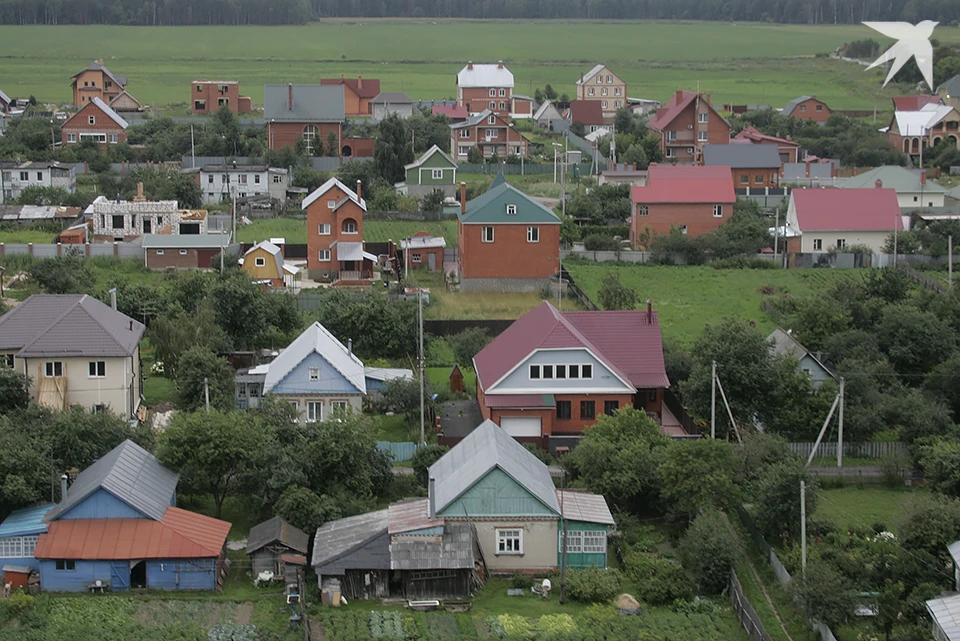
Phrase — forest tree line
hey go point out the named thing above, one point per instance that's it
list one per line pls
(286, 12)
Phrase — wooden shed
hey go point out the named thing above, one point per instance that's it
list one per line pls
(456, 379)
(278, 547)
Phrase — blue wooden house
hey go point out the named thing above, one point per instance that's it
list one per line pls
(117, 527)
(19, 533)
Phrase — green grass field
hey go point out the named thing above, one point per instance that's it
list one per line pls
(862, 507)
(689, 298)
(742, 63)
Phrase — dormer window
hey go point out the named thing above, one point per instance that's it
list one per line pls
(492, 120)
(511, 210)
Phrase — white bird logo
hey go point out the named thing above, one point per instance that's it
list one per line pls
(912, 42)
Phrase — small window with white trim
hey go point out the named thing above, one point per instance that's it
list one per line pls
(323, 255)
(314, 411)
(547, 371)
(573, 371)
(643, 210)
(159, 252)
(183, 252)
(533, 234)
(331, 204)
(574, 541)
(53, 369)
(437, 174)
(314, 373)
(511, 210)
(509, 540)
(718, 211)
(534, 372)
(586, 371)
(323, 229)
(97, 369)
(594, 542)
(260, 262)
(486, 234)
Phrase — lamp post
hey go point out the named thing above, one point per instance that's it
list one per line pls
(563, 206)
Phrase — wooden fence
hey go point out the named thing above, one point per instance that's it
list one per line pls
(922, 279)
(860, 450)
(744, 610)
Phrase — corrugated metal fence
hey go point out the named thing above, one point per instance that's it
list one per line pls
(91, 250)
(745, 613)
(399, 451)
(861, 450)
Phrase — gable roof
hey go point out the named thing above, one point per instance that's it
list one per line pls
(4, 98)
(846, 209)
(484, 449)
(426, 156)
(784, 344)
(914, 103)
(917, 123)
(589, 112)
(628, 342)
(741, 156)
(491, 207)
(97, 65)
(369, 89)
(106, 109)
(122, 96)
(484, 75)
(276, 529)
(131, 474)
(317, 193)
(335, 539)
(666, 114)
(951, 87)
(453, 112)
(316, 339)
(897, 178)
(587, 77)
(68, 325)
(311, 103)
(544, 108)
(392, 98)
(477, 119)
(752, 134)
(271, 249)
(586, 507)
(686, 184)
(945, 612)
(790, 106)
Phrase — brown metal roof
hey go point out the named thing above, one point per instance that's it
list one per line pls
(410, 515)
(584, 506)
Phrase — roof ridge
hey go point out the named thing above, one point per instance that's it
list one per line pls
(59, 318)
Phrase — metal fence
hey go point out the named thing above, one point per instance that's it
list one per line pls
(91, 250)
(744, 610)
(398, 451)
(527, 169)
(861, 450)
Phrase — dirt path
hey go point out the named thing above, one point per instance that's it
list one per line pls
(243, 613)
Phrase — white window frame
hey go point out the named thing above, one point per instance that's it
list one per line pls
(503, 92)
(547, 372)
(586, 371)
(71, 138)
(493, 105)
(573, 371)
(594, 541)
(493, 93)
(256, 179)
(463, 150)
(669, 153)
(323, 229)
(183, 252)
(417, 258)
(91, 120)
(683, 229)
(314, 373)
(314, 411)
(671, 136)
(492, 133)
(464, 133)
(533, 234)
(487, 237)
(51, 368)
(331, 203)
(509, 541)
(339, 405)
(603, 92)
(703, 136)
(159, 252)
(436, 174)
(616, 91)
(492, 120)
(97, 369)
(841, 243)
(511, 210)
(260, 261)
(349, 227)
(643, 210)
(718, 210)
(323, 255)
(112, 139)
(703, 118)
(590, 91)
(574, 541)
(818, 244)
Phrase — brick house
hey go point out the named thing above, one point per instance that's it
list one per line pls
(807, 108)
(335, 250)
(685, 124)
(176, 251)
(927, 126)
(95, 121)
(207, 96)
(96, 81)
(605, 87)
(425, 251)
(489, 131)
(818, 219)
(588, 113)
(914, 103)
(357, 94)
(752, 166)
(310, 112)
(482, 87)
(788, 149)
(507, 241)
(694, 200)
(551, 373)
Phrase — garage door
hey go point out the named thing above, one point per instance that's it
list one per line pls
(521, 427)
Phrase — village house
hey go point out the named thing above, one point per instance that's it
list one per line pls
(276, 546)
(604, 87)
(821, 219)
(222, 183)
(19, 533)
(265, 265)
(491, 133)
(507, 241)
(391, 102)
(622, 173)
(6, 103)
(914, 103)
(783, 343)
(551, 374)
(183, 251)
(692, 200)
(485, 87)
(788, 150)
(547, 116)
(76, 351)
(17, 176)
(125, 103)
(752, 166)
(208, 96)
(806, 108)
(335, 250)
(97, 122)
(456, 113)
(357, 94)
(308, 112)
(588, 113)
(433, 171)
(422, 251)
(929, 125)
(116, 528)
(120, 220)
(96, 81)
(686, 123)
(913, 189)
(949, 92)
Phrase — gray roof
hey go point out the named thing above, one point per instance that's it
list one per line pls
(952, 86)
(900, 179)
(5, 98)
(742, 156)
(271, 249)
(945, 612)
(793, 105)
(473, 120)
(68, 325)
(131, 474)
(798, 170)
(784, 344)
(212, 240)
(338, 538)
(277, 530)
(459, 418)
(484, 449)
(311, 103)
(454, 551)
(392, 98)
(954, 550)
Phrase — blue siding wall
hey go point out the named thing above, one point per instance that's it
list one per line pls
(86, 572)
(603, 378)
(182, 574)
(331, 381)
(102, 505)
(28, 561)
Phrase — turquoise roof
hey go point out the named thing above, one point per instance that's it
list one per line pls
(29, 520)
(491, 207)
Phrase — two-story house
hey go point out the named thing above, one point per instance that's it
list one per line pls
(692, 200)
(507, 241)
(221, 183)
(15, 177)
(910, 130)
(76, 351)
(389, 103)
(207, 96)
(605, 87)
(685, 124)
(491, 133)
(485, 87)
(307, 112)
(551, 373)
(120, 220)
(357, 93)
(752, 166)
(335, 250)
(97, 122)
(913, 189)
(433, 171)
(807, 108)
(96, 81)
(820, 219)
(788, 150)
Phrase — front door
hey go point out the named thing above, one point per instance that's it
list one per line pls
(432, 261)
(147, 226)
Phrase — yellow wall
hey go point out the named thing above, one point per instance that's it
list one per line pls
(269, 270)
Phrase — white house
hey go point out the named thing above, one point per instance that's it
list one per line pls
(819, 219)
(220, 183)
(15, 177)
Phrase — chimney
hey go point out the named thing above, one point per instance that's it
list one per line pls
(499, 64)
(636, 167)
(463, 197)
(807, 165)
(350, 346)
(359, 191)
(140, 197)
(359, 82)
(131, 324)
(113, 298)
(923, 177)
(679, 95)
(290, 97)
(649, 311)
(63, 487)
(708, 97)
(432, 498)
(878, 184)
(470, 65)
(581, 79)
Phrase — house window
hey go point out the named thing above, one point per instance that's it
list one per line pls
(464, 133)
(503, 105)
(718, 211)
(511, 210)
(159, 252)
(331, 204)
(594, 542)
(256, 179)
(40, 175)
(702, 136)
(53, 369)
(223, 102)
(817, 244)
(588, 410)
(671, 136)
(561, 371)
(534, 372)
(117, 221)
(574, 541)
(99, 408)
(819, 107)
(503, 92)
(574, 371)
(616, 103)
(463, 151)
(609, 79)
(744, 179)
(486, 234)
(314, 373)
(586, 371)
(616, 92)
(243, 179)
(914, 199)
(349, 226)
(199, 105)
(309, 137)
(841, 243)
(547, 371)
(277, 180)
(563, 410)
(323, 229)
(492, 120)
(609, 407)
(437, 174)
(66, 564)
(314, 411)
(183, 252)
(683, 229)
(261, 262)
(603, 105)
(702, 118)
(510, 541)
(210, 179)
(533, 234)
(417, 258)
(669, 153)
(24, 175)
(493, 92)
(323, 255)
(338, 407)
(599, 80)
(758, 179)
(493, 133)
(603, 92)
(803, 107)
(91, 120)
(112, 138)
(97, 369)
(590, 91)
(493, 105)
(73, 138)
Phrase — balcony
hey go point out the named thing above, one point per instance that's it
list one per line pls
(684, 138)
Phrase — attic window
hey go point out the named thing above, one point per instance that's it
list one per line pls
(314, 373)
(261, 262)
(492, 120)
(92, 120)
(511, 210)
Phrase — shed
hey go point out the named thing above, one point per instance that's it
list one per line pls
(276, 546)
(945, 614)
(16, 576)
(456, 379)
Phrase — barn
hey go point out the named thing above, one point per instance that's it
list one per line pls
(278, 547)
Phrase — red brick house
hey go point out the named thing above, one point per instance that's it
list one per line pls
(551, 374)
(807, 108)
(357, 93)
(308, 112)
(694, 200)
(207, 96)
(789, 150)
(422, 251)
(95, 121)
(335, 250)
(686, 123)
(914, 103)
(489, 131)
(482, 87)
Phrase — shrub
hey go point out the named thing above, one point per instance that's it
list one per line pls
(598, 242)
(708, 550)
(592, 585)
(520, 581)
(659, 580)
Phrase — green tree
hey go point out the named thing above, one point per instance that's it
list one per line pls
(174, 333)
(940, 462)
(636, 155)
(309, 178)
(240, 309)
(944, 383)
(433, 202)
(699, 475)
(915, 341)
(402, 395)
(196, 365)
(930, 523)
(68, 274)
(475, 156)
(824, 594)
(776, 501)
(423, 458)
(614, 294)
(301, 508)
(76, 438)
(709, 551)
(393, 149)
(14, 390)
(468, 343)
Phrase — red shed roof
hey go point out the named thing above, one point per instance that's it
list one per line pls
(846, 209)
(686, 184)
(914, 103)
(180, 535)
(628, 342)
(589, 112)
(455, 112)
(369, 88)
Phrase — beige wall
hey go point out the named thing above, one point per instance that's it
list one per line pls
(113, 390)
(539, 545)
(908, 199)
(873, 239)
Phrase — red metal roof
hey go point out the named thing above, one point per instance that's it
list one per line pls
(686, 184)
(294, 559)
(671, 110)
(589, 112)
(453, 113)
(180, 535)
(752, 134)
(914, 103)
(370, 88)
(846, 209)
(628, 342)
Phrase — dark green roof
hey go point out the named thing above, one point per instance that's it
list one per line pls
(491, 207)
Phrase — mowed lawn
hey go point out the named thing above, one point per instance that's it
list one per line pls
(295, 231)
(689, 298)
(862, 507)
(740, 63)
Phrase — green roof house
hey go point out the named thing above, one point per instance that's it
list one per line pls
(913, 189)
(433, 171)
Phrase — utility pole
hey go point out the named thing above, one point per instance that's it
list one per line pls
(803, 527)
(563, 551)
(776, 236)
(949, 264)
(843, 382)
(206, 393)
(234, 221)
(713, 400)
(193, 150)
(420, 310)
